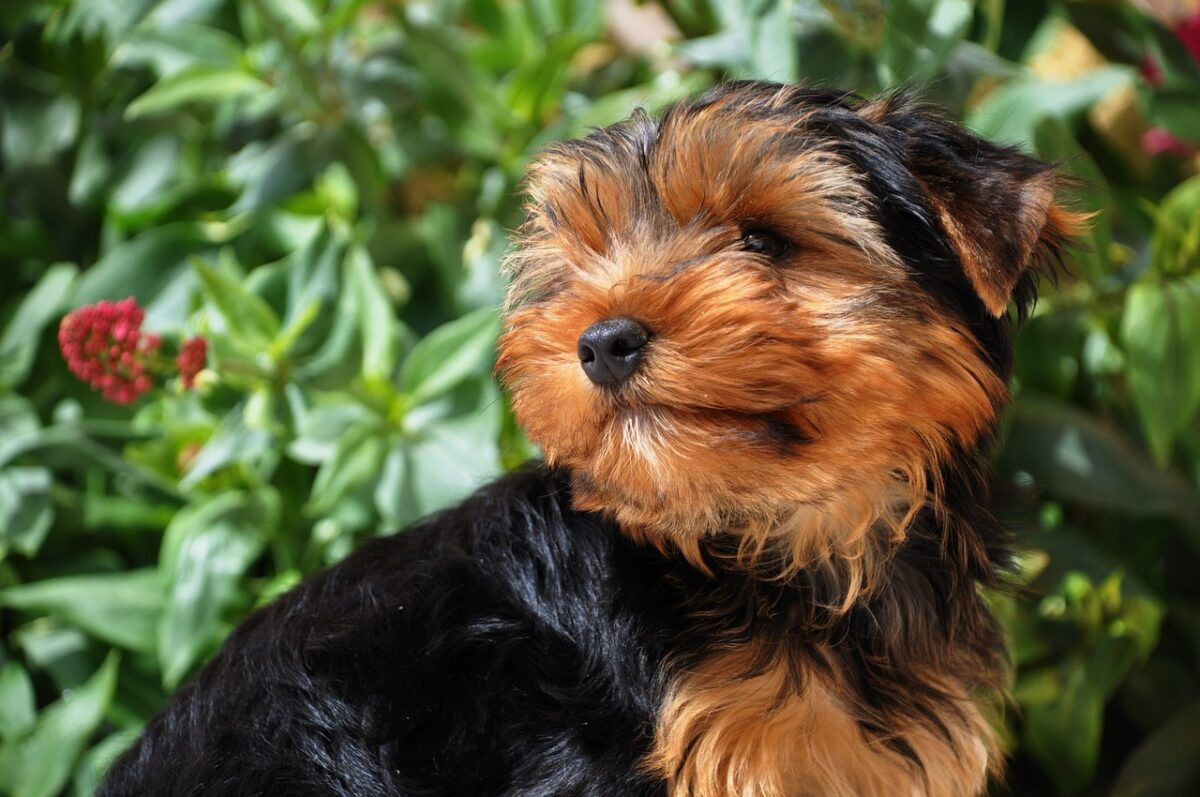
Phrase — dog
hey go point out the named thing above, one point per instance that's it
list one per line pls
(763, 342)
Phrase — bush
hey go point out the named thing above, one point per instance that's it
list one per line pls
(322, 191)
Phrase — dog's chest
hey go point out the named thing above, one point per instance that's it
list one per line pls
(723, 734)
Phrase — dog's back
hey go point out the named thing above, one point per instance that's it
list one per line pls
(483, 651)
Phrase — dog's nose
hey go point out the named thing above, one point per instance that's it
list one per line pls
(610, 350)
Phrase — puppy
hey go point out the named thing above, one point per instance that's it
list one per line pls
(763, 342)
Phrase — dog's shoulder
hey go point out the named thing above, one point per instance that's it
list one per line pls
(453, 657)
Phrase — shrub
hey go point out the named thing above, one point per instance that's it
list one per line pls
(280, 222)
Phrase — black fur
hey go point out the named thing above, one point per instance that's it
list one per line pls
(507, 646)
(914, 149)
(515, 646)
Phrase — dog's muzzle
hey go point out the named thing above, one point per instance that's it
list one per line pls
(610, 350)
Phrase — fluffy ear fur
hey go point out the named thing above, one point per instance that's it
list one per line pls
(996, 205)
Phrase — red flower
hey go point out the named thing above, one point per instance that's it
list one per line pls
(1151, 71)
(1188, 31)
(191, 360)
(104, 345)
(1159, 140)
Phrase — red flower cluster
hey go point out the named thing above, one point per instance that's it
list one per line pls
(1159, 140)
(191, 359)
(104, 346)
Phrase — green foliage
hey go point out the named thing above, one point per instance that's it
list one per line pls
(323, 190)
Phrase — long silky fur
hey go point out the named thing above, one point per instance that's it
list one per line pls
(754, 572)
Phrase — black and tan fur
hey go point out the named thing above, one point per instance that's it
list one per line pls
(753, 567)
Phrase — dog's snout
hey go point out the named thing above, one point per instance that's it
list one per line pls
(610, 350)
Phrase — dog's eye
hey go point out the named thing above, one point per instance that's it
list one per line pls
(763, 242)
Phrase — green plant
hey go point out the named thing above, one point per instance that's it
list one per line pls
(322, 190)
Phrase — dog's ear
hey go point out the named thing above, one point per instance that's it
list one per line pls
(996, 205)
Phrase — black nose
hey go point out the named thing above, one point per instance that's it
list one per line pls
(610, 350)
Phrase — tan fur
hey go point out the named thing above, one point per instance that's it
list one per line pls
(992, 278)
(725, 734)
(836, 367)
(1045, 223)
(837, 341)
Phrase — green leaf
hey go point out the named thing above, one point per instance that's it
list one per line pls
(1177, 109)
(449, 459)
(312, 279)
(92, 169)
(73, 437)
(109, 512)
(336, 191)
(862, 22)
(199, 84)
(450, 354)
(119, 608)
(394, 498)
(355, 461)
(59, 652)
(1064, 733)
(154, 167)
(319, 429)
(17, 418)
(1110, 661)
(1054, 142)
(537, 85)
(169, 13)
(250, 319)
(377, 323)
(170, 49)
(19, 342)
(26, 511)
(1160, 331)
(233, 441)
(1012, 113)
(39, 764)
(1048, 353)
(35, 130)
(1074, 456)
(273, 171)
(611, 108)
(756, 41)
(480, 284)
(95, 763)
(1167, 764)
(94, 19)
(335, 362)
(773, 43)
(205, 552)
(142, 266)
(279, 584)
(295, 13)
(1175, 247)
(921, 35)
(17, 708)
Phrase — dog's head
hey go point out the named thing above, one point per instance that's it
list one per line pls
(773, 308)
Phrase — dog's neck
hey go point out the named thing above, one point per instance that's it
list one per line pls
(838, 551)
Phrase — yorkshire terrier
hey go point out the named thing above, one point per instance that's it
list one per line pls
(763, 342)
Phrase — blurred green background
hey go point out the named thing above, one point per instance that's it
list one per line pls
(324, 190)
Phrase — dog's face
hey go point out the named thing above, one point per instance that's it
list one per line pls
(771, 308)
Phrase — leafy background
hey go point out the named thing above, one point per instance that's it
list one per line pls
(324, 190)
